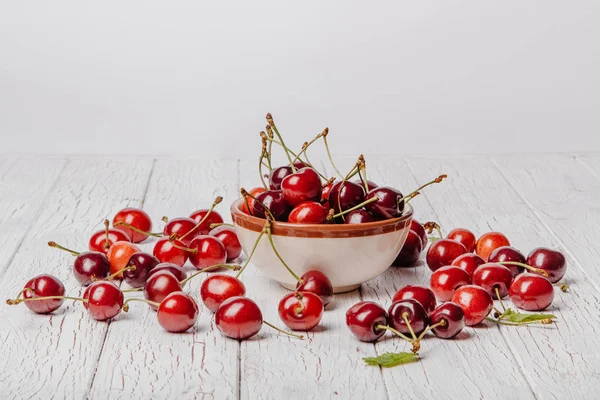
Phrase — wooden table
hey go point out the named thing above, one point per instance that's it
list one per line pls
(536, 200)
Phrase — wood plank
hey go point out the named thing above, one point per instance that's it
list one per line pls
(142, 360)
(556, 359)
(57, 354)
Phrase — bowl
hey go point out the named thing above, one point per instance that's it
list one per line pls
(348, 254)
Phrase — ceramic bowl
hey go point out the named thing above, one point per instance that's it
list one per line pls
(348, 254)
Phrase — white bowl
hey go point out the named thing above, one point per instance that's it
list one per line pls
(348, 254)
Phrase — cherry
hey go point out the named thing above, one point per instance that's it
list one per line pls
(274, 202)
(208, 218)
(551, 261)
(226, 234)
(39, 287)
(277, 175)
(367, 321)
(408, 316)
(209, 251)
(420, 293)
(301, 311)
(138, 219)
(88, 265)
(531, 292)
(119, 255)
(475, 301)
(180, 227)
(370, 184)
(175, 269)
(219, 287)
(444, 252)
(359, 216)
(464, 236)
(299, 164)
(446, 280)
(303, 185)
(250, 199)
(469, 262)
(389, 203)
(488, 242)
(494, 278)
(507, 253)
(454, 317)
(419, 230)
(410, 252)
(325, 195)
(143, 263)
(103, 300)
(238, 318)
(309, 212)
(344, 195)
(178, 312)
(159, 285)
(316, 282)
(168, 251)
(98, 241)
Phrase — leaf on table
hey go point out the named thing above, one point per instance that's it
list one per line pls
(391, 359)
(518, 317)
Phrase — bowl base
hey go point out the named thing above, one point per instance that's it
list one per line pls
(336, 290)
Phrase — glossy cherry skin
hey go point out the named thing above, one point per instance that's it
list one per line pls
(454, 316)
(301, 311)
(160, 285)
(98, 239)
(507, 253)
(325, 195)
(464, 236)
(345, 195)
(181, 227)
(227, 236)
(254, 192)
(316, 282)
(488, 242)
(138, 219)
(119, 255)
(363, 320)
(531, 292)
(551, 261)
(370, 184)
(410, 252)
(492, 276)
(417, 316)
(359, 216)
(446, 280)
(238, 318)
(89, 265)
(104, 300)
(309, 212)
(299, 164)
(389, 205)
(469, 262)
(143, 263)
(167, 253)
(419, 230)
(43, 286)
(475, 302)
(175, 269)
(277, 175)
(275, 203)
(209, 251)
(177, 313)
(303, 185)
(420, 293)
(444, 252)
(213, 218)
(219, 287)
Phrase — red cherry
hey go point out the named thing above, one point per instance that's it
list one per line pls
(475, 302)
(551, 261)
(494, 278)
(160, 285)
(444, 252)
(364, 320)
(469, 262)
(119, 255)
(227, 236)
(420, 293)
(143, 263)
(175, 269)
(446, 280)
(488, 242)
(344, 195)
(507, 253)
(275, 203)
(370, 184)
(90, 265)
(209, 251)
(138, 219)
(318, 283)
(166, 252)
(464, 236)
(43, 286)
(303, 185)
(359, 216)
(181, 227)
(238, 318)
(253, 193)
(309, 212)
(417, 227)
(219, 287)
(413, 311)
(454, 317)
(390, 203)
(301, 311)
(104, 300)
(410, 252)
(325, 195)
(531, 292)
(213, 218)
(277, 175)
(98, 240)
(178, 312)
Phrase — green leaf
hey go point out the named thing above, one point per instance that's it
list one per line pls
(388, 360)
(519, 318)
(433, 239)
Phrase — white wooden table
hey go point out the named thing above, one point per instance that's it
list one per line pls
(547, 200)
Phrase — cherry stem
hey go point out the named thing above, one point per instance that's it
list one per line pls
(528, 267)
(287, 152)
(106, 242)
(12, 302)
(212, 226)
(443, 322)
(416, 192)
(260, 162)
(245, 194)
(407, 322)
(129, 300)
(262, 232)
(218, 199)
(186, 249)
(119, 272)
(137, 289)
(234, 267)
(138, 230)
(57, 246)
(562, 286)
(23, 291)
(546, 321)
(361, 205)
(395, 332)
(337, 171)
(165, 219)
(499, 298)
(430, 226)
(299, 309)
(268, 227)
(282, 331)
(305, 161)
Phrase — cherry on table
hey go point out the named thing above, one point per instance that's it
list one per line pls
(469, 262)
(104, 300)
(316, 282)
(359, 216)
(551, 261)
(301, 311)
(510, 254)
(531, 292)
(181, 227)
(159, 285)
(464, 236)
(408, 317)
(138, 219)
(210, 217)
(420, 293)
(410, 252)
(389, 203)
(454, 318)
(88, 265)
(143, 263)
(98, 240)
(170, 251)
(178, 312)
(475, 302)
(308, 212)
(488, 242)
(303, 185)
(175, 269)
(366, 321)
(444, 281)
(44, 285)
(226, 234)
(219, 287)
(274, 202)
(208, 251)
(119, 255)
(277, 175)
(238, 318)
(494, 278)
(345, 195)
(444, 252)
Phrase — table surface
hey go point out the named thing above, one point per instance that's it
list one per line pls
(536, 200)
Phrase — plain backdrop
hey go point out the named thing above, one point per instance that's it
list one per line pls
(195, 78)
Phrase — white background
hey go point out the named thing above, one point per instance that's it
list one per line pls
(403, 77)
